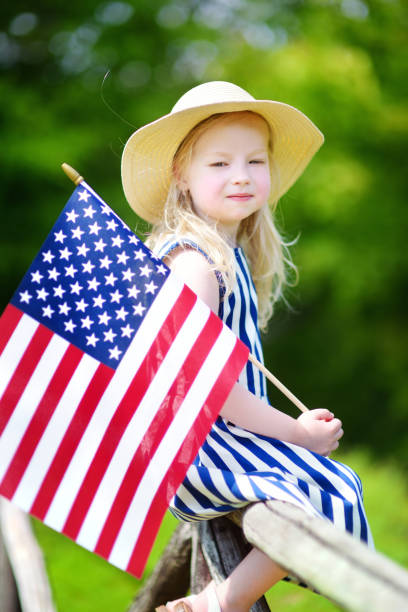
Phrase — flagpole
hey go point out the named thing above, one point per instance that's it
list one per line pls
(72, 174)
(278, 384)
(77, 179)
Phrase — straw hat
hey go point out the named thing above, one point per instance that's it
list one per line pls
(148, 154)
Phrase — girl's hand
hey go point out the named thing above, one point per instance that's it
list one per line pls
(319, 431)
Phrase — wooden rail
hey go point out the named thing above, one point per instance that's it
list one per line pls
(22, 570)
(330, 561)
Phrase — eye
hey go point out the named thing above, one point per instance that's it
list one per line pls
(257, 161)
(218, 164)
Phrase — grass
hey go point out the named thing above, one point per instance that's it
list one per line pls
(83, 582)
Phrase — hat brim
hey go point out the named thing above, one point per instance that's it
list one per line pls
(148, 154)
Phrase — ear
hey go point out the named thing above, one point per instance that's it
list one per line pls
(181, 181)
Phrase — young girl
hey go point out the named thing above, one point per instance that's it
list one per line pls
(208, 177)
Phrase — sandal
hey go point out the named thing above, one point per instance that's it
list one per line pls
(212, 599)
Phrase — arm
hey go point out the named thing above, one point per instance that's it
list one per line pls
(316, 430)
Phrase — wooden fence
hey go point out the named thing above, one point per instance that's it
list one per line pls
(332, 562)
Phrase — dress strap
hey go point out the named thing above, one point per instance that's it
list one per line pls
(171, 245)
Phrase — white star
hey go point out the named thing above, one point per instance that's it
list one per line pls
(64, 308)
(105, 262)
(127, 275)
(77, 233)
(111, 225)
(82, 250)
(109, 335)
(88, 267)
(98, 301)
(161, 269)
(53, 274)
(121, 314)
(116, 296)
(145, 271)
(138, 309)
(59, 291)
(69, 326)
(59, 236)
(104, 318)
(94, 228)
(93, 284)
(65, 253)
(72, 216)
(81, 305)
(25, 297)
(48, 311)
(86, 322)
(48, 257)
(114, 353)
(122, 257)
(151, 287)
(89, 212)
(42, 294)
(92, 339)
(70, 271)
(105, 210)
(83, 196)
(140, 254)
(133, 239)
(76, 288)
(127, 331)
(110, 279)
(117, 241)
(133, 291)
(36, 277)
(100, 245)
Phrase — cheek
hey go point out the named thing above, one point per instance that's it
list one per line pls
(265, 184)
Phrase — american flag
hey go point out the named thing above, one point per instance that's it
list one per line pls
(111, 374)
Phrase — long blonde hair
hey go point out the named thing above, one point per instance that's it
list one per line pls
(267, 253)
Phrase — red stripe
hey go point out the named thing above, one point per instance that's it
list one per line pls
(177, 471)
(23, 373)
(72, 437)
(126, 410)
(8, 323)
(153, 437)
(39, 422)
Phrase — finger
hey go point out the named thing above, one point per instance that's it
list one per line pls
(323, 414)
(339, 434)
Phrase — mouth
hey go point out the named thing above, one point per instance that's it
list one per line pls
(242, 197)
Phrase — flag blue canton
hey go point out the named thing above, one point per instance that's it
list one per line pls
(93, 280)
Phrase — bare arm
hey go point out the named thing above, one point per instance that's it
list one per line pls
(316, 430)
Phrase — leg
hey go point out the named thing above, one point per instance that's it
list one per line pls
(246, 584)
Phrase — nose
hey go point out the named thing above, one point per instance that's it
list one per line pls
(240, 175)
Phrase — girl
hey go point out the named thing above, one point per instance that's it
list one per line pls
(208, 177)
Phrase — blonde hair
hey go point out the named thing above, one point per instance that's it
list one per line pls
(267, 253)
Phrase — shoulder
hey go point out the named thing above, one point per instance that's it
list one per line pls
(193, 268)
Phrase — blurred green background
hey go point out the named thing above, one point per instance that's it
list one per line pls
(343, 343)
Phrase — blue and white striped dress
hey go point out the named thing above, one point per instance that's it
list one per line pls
(235, 467)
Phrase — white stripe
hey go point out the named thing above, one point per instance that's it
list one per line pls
(169, 447)
(141, 421)
(91, 439)
(54, 433)
(29, 400)
(14, 349)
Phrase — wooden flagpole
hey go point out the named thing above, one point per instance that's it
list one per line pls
(77, 179)
(278, 384)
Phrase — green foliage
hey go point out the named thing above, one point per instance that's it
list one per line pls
(82, 582)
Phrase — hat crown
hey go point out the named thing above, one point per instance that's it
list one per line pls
(214, 92)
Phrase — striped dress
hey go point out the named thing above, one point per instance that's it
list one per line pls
(235, 467)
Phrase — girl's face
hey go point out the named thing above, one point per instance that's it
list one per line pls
(228, 177)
